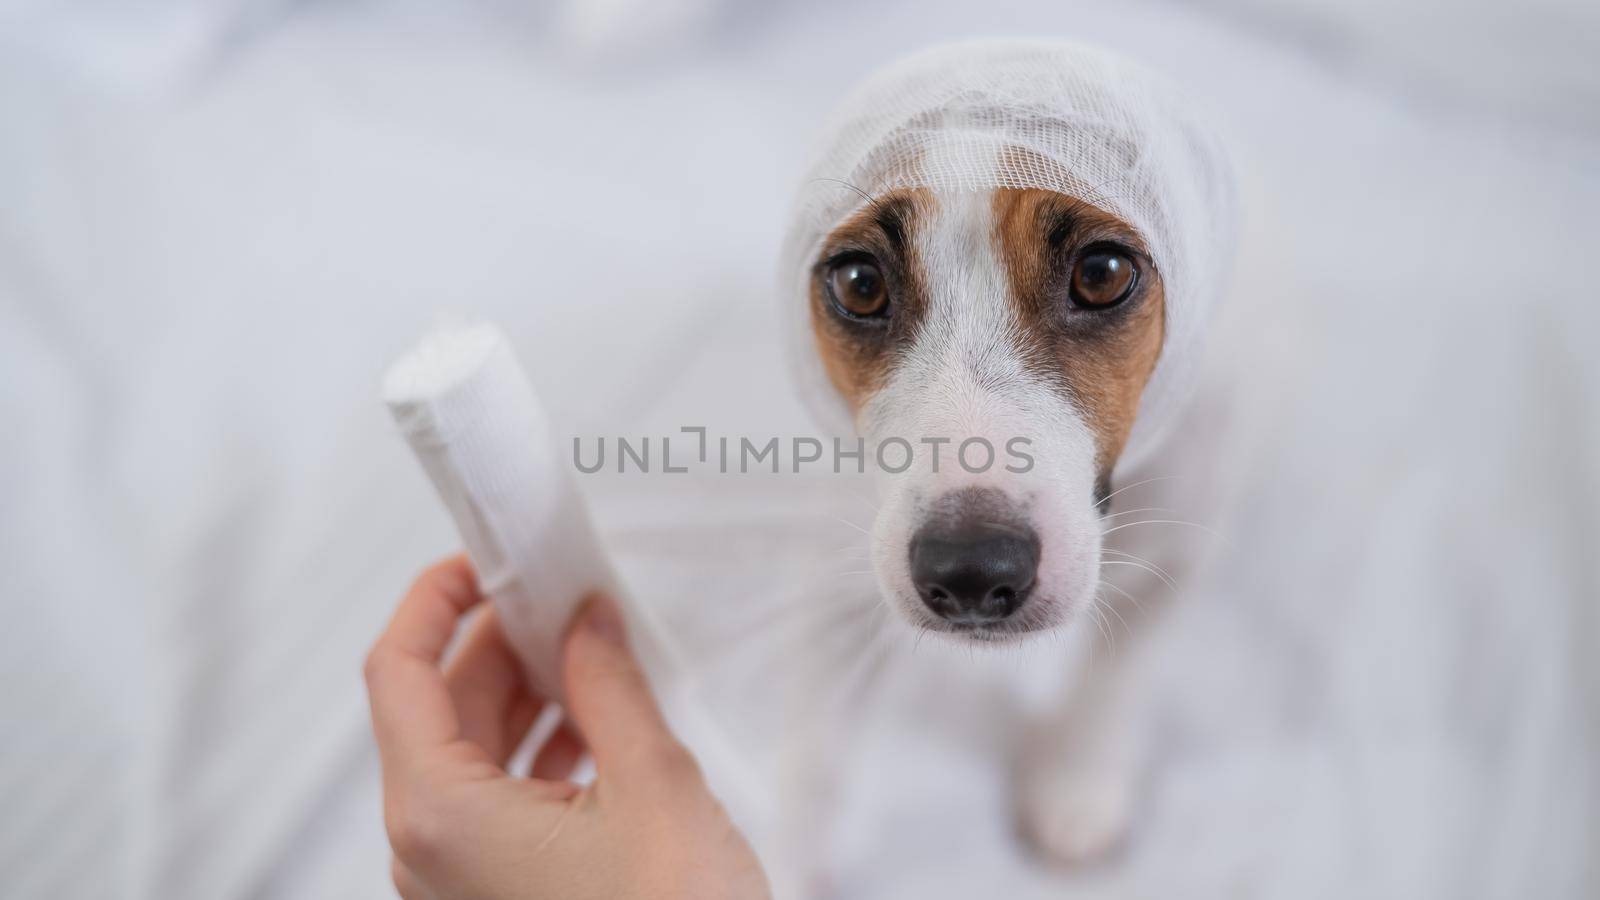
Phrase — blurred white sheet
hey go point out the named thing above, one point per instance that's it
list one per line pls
(204, 264)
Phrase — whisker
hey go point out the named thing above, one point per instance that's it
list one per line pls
(1129, 512)
(1211, 531)
(1113, 610)
(1099, 621)
(851, 524)
(866, 501)
(1131, 598)
(1104, 626)
(1128, 487)
(1137, 565)
(1145, 566)
(871, 201)
(865, 671)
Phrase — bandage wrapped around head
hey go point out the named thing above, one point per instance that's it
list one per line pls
(1029, 114)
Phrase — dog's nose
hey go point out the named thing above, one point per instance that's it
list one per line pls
(974, 572)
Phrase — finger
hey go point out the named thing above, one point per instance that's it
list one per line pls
(411, 706)
(406, 883)
(610, 700)
(559, 755)
(490, 694)
(519, 721)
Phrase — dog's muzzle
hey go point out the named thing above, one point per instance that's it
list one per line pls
(974, 560)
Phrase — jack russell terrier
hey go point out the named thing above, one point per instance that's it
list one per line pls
(1020, 240)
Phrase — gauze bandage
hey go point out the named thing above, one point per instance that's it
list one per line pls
(469, 413)
(1028, 114)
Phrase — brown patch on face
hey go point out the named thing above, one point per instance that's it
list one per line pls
(858, 353)
(1100, 357)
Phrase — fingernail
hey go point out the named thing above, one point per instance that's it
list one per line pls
(605, 620)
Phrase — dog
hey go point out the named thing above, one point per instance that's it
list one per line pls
(1014, 246)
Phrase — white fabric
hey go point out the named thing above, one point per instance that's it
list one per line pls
(1057, 116)
(1386, 688)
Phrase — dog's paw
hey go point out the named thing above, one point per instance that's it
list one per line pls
(1077, 816)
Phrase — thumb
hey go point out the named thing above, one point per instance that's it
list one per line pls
(609, 699)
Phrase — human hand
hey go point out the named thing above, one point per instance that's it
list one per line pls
(462, 827)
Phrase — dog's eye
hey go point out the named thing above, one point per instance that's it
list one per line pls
(858, 288)
(1102, 278)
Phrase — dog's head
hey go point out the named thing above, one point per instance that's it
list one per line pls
(1000, 269)
(1000, 339)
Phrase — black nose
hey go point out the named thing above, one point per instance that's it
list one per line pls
(974, 572)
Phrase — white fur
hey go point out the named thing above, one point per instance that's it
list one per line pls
(965, 378)
(1078, 776)
(1095, 127)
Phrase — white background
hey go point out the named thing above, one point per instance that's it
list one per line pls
(219, 221)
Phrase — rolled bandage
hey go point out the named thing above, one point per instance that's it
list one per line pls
(470, 414)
